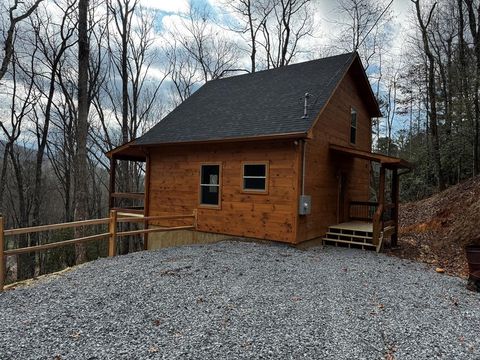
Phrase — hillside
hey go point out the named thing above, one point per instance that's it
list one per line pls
(435, 230)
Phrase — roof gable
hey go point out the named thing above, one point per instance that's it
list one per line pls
(264, 103)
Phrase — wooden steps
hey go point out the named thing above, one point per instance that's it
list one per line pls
(354, 233)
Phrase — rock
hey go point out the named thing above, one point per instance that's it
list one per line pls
(440, 270)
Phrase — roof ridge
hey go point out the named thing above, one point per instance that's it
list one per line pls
(283, 68)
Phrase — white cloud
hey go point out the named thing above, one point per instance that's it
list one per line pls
(169, 6)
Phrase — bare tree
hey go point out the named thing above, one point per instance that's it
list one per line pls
(473, 9)
(81, 161)
(131, 92)
(290, 22)
(363, 26)
(54, 40)
(389, 104)
(183, 70)
(214, 54)
(253, 15)
(433, 122)
(131, 58)
(23, 102)
(14, 20)
(122, 12)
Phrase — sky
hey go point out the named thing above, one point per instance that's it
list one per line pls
(326, 8)
(170, 12)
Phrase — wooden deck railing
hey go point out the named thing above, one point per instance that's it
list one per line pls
(381, 216)
(362, 210)
(113, 220)
(128, 201)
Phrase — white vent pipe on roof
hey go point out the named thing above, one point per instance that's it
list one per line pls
(307, 95)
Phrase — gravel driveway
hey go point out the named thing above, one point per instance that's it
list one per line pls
(243, 300)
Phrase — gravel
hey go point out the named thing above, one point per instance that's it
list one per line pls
(243, 300)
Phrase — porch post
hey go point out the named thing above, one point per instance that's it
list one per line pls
(395, 200)
(111, 188)
(146, 200)
(378, 217)
(381, 187)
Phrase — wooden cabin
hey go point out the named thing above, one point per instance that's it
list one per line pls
(281, 154)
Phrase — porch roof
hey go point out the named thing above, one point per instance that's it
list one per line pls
(384, 160)
(128, 152)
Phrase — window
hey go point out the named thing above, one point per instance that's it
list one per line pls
(255, 177)
(210, 185)
(353, 126)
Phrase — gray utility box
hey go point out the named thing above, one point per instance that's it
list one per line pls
(305, 205)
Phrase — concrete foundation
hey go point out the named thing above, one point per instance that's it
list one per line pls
(160, 240)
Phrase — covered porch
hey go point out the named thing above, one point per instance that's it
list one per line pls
(369, 224)
(122, 198)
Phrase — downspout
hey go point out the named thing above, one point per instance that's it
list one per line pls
(304, 145)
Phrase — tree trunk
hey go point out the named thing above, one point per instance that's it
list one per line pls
(433, 122)
(81, 169)
(474, 23)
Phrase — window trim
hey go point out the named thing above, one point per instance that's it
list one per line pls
(267, 177)
(353, 111)
(200, 185)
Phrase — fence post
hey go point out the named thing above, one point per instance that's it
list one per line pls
(112, 238)
(2, 256)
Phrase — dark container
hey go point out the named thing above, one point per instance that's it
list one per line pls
(473, 258)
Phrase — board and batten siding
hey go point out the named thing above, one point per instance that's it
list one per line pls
(323, 168)
(175, 178)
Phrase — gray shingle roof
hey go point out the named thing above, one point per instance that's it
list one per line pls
(265, 103)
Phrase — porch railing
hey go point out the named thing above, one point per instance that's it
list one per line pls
(132, 202)
(382, 217)
(362, 210)
(111, 235)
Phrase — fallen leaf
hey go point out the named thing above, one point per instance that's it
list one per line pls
(440, 270)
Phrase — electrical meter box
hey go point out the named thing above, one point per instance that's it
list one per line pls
(305, 206)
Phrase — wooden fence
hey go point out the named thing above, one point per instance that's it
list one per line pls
(113, 220)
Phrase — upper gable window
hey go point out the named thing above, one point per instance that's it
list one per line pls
(255, 177)
(353, 126)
